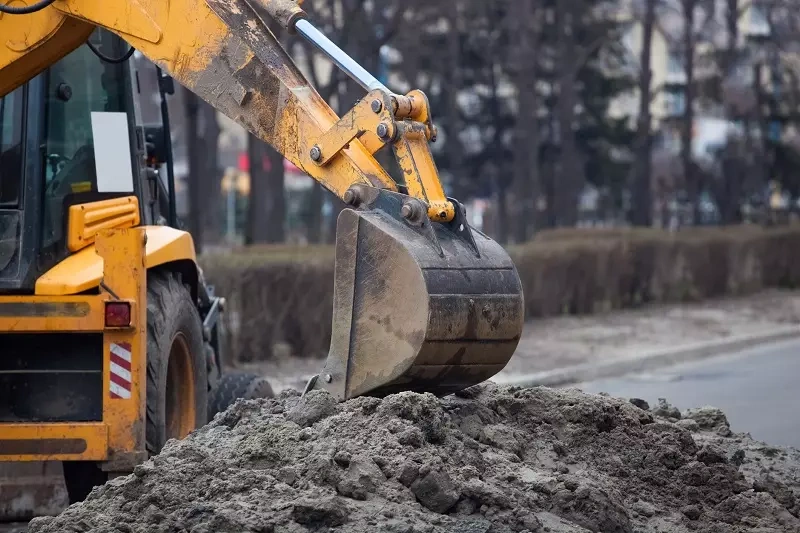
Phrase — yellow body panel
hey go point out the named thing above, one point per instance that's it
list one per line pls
(119, 439)
(125, 273)
(83, 270)
(86, 220)
(166, 245)
(48, 313)
(86, 441)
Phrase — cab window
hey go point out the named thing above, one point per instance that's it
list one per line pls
(84, 95)
(11, 149)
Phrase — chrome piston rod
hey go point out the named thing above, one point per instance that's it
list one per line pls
(338, 56)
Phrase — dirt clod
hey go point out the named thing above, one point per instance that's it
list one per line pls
(710, 454)
(644, 508)
(666, 410)
(777, 489)
(692, 512)
(362, 477)
(329, 511)
(436, 491)
(313, 407)
(641, 404)
(489, 460)
(709, 419)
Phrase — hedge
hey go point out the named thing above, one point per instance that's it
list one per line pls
(280, 297)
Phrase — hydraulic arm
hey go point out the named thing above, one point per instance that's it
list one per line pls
(223, 51)
(421, 301)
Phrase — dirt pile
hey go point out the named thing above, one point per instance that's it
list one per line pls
(491, 459)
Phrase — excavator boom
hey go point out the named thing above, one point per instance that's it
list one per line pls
(422, 301)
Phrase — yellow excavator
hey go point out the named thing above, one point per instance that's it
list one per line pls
(109, 335)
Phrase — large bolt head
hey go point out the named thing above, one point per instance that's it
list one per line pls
(377, 106)
(414, 212)
(353, 196)
(383, 130)
(316, 153)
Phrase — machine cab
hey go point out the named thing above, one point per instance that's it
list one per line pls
(67, 137)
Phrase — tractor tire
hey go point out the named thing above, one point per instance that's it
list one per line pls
(177, 382)
(237, 385)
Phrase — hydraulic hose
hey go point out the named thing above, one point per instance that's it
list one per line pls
(26, 10)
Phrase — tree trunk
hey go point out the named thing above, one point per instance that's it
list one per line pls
(732, 27)
(202, 135)
(526, 129)
(690, 176)
(569, 174)
(761, 124)
(266, 212)
(314, 214)
(549, 164)
(642, 186)
(496, 158)
(455, 152)
(730, 189)
(195, 157)
(211, 195)
(501, 201)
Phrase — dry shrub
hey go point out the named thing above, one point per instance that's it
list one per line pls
(283, 295)
(275, 295)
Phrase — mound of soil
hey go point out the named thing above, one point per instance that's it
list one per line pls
(489, 460)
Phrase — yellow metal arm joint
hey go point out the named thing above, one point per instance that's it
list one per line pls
(371, 116)
(405, 123)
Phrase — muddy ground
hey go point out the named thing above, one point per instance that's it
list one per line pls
(490, 460)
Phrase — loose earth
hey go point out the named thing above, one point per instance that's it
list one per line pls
(488, 460)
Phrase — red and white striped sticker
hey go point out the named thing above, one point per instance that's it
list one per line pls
(120, 371)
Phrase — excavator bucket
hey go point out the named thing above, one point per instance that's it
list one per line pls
(418, 306)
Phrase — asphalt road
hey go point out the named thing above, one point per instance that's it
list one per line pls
(756, 388)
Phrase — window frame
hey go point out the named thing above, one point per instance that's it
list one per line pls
(18, 137)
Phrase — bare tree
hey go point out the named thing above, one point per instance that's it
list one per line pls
(525, 21)
(583, 33)
(642, 184)
(729, 187)
(202, 130)
(689, 8)
(569, 175)
(266, 215)
(452, 69)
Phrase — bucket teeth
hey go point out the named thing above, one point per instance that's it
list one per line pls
(417, 307)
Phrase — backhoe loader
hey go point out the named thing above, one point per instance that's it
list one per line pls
(107, 330)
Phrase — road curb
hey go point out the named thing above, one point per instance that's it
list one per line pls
(617, 367)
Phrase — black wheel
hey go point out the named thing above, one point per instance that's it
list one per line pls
(80, 477)
(177, 387)
(237, 385)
